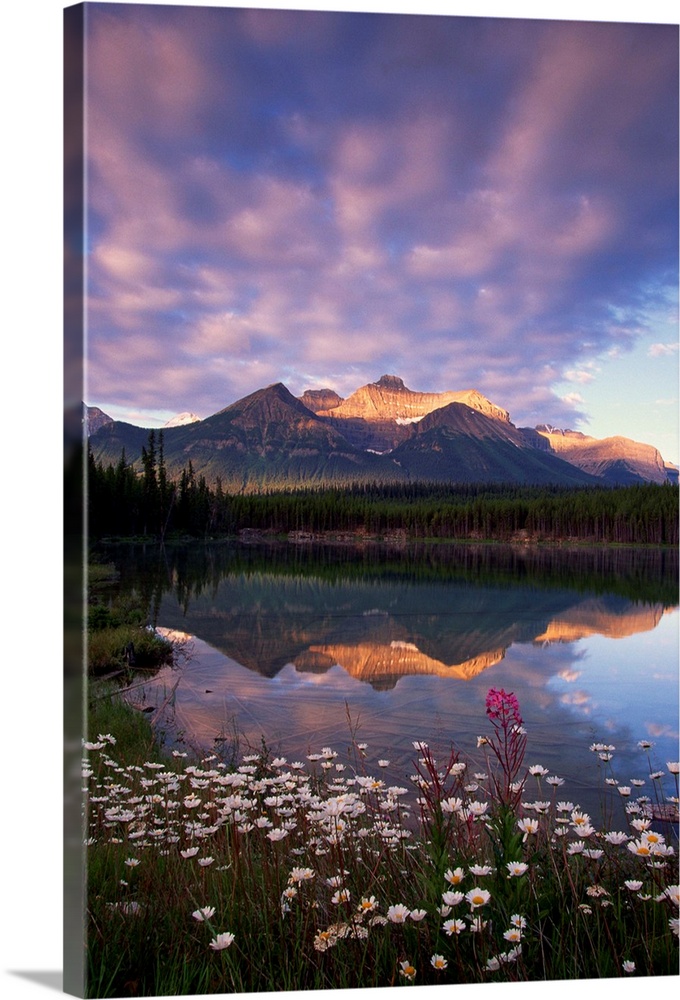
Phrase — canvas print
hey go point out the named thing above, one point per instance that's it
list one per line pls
(372, 500)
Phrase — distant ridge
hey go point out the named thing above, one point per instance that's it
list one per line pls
(616, 459)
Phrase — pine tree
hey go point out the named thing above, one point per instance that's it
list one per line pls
(151, 495)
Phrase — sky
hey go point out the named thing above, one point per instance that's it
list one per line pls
(321, 198)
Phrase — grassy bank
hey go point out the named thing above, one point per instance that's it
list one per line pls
(108, 712)
(118, 635)
(276, 875)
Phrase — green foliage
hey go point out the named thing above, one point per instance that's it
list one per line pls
(101, 573)
(117, 632)
(125, 610)
(124, 503)
(107, 648)
(108, 712)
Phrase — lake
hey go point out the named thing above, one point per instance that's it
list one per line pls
(307, 646)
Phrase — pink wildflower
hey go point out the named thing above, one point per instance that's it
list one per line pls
(508, 744)
(503, 706)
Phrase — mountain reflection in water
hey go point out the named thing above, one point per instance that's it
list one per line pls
(380, 633)
(296, 648)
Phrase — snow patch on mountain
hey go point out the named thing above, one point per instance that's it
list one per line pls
(181, 419)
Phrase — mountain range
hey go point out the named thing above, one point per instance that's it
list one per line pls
(383, 432)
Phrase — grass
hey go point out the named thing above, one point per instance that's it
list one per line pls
(99, 573)
(207, 877)
(107, 648)
(117, 632)
(109, 712)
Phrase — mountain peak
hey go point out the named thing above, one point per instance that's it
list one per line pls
(181, 419)
(95, 418)
(391, 382)
(320, 399)
(389, 399)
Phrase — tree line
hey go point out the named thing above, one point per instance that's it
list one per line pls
(123, 502)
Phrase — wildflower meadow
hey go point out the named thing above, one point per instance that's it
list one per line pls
(261, 874)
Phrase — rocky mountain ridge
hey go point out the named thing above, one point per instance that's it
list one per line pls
(95, 418)
(390, 397)
(599, 456)
(383, 432)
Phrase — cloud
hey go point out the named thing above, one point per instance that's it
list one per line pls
(568, 675)
(661, 350)
(582, 377)
(573, 399)
(581, 701)
(438, 198)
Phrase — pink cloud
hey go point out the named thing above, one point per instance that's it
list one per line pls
(466, 258)
(280, 28)
(580, 376)
(382, 166)
(573, 399)
(219, 333)
(150, 73)
(662, 350)
(279, 224)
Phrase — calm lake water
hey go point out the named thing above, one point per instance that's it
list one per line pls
(303, 645)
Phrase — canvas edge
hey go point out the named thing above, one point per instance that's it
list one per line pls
(75, 544)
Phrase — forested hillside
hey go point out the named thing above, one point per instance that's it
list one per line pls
(123, 503)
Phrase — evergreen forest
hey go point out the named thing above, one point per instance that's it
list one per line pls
(125, 503)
